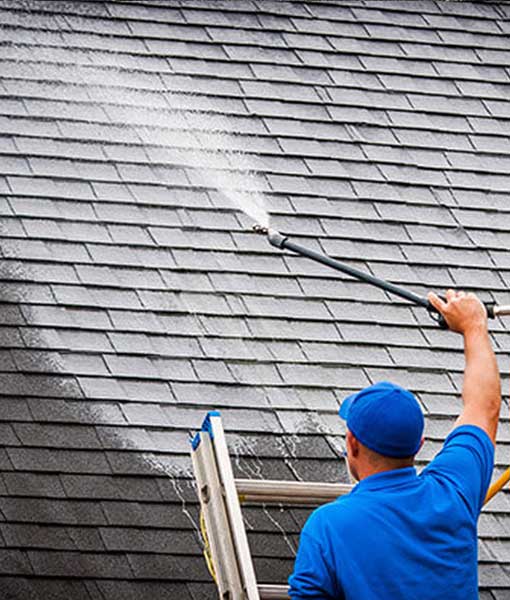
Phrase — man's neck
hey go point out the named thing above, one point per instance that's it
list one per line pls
(369, 470)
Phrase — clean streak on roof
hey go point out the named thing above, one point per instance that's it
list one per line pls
(135, 297)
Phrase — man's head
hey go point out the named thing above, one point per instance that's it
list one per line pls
(385, 429)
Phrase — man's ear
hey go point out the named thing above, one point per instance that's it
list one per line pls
(352, 444)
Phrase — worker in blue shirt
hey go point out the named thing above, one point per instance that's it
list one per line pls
(399, 535)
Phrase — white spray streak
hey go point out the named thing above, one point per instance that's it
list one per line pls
(280, 528)
(173, 474)
(209, 148)
(209, 139)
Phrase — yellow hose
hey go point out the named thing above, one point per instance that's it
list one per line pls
(498, 485)
(207, 548)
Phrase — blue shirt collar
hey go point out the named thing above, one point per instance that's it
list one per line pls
(387, 479)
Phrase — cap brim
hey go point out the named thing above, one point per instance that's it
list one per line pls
(346, 406)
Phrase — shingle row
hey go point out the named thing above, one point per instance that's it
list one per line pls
(134, 297)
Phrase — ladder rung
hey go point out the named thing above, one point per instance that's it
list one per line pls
(273, 592)
(289, 492)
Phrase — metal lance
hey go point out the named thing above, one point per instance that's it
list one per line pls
(278, 240)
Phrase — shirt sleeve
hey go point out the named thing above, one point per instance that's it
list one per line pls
(311, 578)
(466, 461)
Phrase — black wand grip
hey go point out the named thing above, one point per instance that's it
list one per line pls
(490, 306)
(436, 316)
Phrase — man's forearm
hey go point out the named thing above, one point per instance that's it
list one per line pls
(464, 313)
(482, 388)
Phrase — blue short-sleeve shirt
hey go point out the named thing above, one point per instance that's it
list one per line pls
(399, 535)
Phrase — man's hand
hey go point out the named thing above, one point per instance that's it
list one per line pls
(463, 312)
(481, 391)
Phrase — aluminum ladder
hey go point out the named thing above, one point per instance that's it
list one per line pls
(226, 543)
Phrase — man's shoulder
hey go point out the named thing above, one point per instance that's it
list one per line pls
(469, 434)
(464, 465)
(463, 438)
(335, 512)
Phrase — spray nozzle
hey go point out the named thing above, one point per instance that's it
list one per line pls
(260, 229)
(275, 237)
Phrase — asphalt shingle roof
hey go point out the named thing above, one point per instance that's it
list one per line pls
(135, 297)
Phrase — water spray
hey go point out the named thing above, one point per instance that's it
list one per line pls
(282, 242)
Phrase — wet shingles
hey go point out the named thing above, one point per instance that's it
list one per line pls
(33, 484)
(393, 167)
(59, 564)
(59, 461)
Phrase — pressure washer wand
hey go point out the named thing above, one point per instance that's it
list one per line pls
(284, 243)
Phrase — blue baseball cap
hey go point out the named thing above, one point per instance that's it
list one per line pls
(386, 418)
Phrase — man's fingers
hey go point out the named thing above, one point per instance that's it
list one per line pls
(436, 301)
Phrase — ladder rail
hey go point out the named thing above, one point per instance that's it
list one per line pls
(234, 509)
(220, 498)
(226, 568)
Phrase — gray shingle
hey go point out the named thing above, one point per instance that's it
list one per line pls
(380, 313)
(444, 256)
(47, 187)
(306, 42)
(340, 289)
(418, 176)
(415, 380)
(370, 191)
(282, 91)
(487, 125)
(466, 38)
(292, 110)
(490, 143)
(234, 348)
(433, 139)
(254, 54)
(345, 353)
(163, 14)
(33, 484)
(282, 8)
(400, 33)
(259, 284)
(139, 540)
(287, 308)
(176, 47)
(400, 14)
(63, 461)
(455, 236)
(464, 106)
(314, 375)
(424, 215)
(475, 278)
(227, 35)
(144, 414)
(79, 437)
(382, 334)
(59, 563)
(365, 230)
(251, 373)
(150, 297)
(250, 420)
(132, 514)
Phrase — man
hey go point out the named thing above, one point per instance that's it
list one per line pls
(399, 535)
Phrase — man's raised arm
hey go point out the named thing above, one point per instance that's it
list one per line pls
(481, 393)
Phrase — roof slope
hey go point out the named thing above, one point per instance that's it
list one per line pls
(134, 297)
